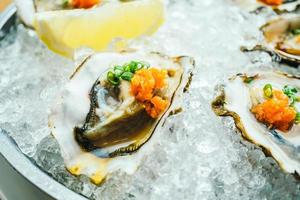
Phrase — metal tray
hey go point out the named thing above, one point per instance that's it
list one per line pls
(10, 151)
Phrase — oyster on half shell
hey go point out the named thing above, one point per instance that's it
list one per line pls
(101, 127)
(245, 96)
(281, 39)
(282, 36)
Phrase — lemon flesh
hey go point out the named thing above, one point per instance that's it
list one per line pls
(66, 30)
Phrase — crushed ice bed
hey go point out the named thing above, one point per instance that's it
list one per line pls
(198, 155)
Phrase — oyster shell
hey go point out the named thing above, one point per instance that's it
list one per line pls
(256, 5)
(102, 128)
(26, 11)
(237, 99)
(281, 39)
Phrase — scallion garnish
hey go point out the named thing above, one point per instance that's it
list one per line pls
(127, 76)
(133, 66)
(118, 70)
(289, 90)
(297, 119)
(291, 93)
(295, 31)
(124, 72)
(112, 78)
(268, 91)
(65, 3)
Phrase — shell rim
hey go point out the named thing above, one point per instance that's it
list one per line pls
(271, 48)
(218, 105)
(173, 109)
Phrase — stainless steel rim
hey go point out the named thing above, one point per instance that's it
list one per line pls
(20, 163)
(2, 197)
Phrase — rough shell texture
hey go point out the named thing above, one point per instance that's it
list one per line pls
(73, 104)
(26, 11)
(276, 32)
(235, 101)
(278, 40)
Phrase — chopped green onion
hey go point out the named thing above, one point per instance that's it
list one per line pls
(65, 3)
(296, 31)
(291, 93)
(268, 91)
(143, 64)
(289, 90)
(297, 119)
(127, 76)
(112, 78)
(118, 70)
(124, 72)
(117, 67)
(134, 66)
(127, 68)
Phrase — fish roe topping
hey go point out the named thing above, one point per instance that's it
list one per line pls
(276, 111)
(84, 3)
(156, 106)
(144, 85)
(272, 2)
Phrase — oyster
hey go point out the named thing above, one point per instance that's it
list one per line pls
(265, 108)
(281, 39)
(282, 36)
(277, 5)
(100, 125)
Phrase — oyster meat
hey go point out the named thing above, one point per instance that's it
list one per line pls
(101, 124)
(265, 108)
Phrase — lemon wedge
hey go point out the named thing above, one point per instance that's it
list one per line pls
(64, 31)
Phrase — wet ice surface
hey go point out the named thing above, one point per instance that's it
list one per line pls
(199, 155)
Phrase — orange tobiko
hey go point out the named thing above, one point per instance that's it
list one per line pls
(84, 3)
(144, 84)
(272, 2)
(276, 112)
(156, 106)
